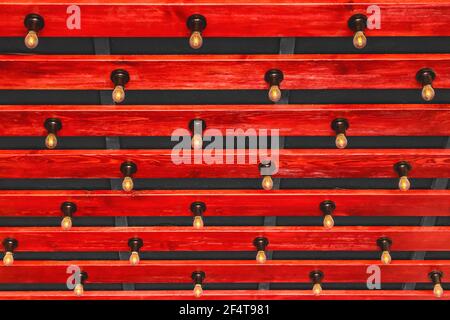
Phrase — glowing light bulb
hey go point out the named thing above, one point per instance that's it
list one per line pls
(134, 258)
(31, 40)
(197, 141)
(267, 183)
(404, 184)
(196, 40)
(198, 222)
(438, 291)
(79, 290)
(274, 93)
(51, 141)
(427, 92)
(317, 289)
(341, 141)
(118, 94)
(386, 257)
(261, 257)
(8, 259)
(359, 40)
(328, 221)
(198, 291)
(66, 223)
(127, 184)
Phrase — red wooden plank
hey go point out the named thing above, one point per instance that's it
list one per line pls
(300, 163)
(290, 120)
(237, 18)
(225, 295)
(227, 202)
(227, 238)
(223, 271)
(313, 71)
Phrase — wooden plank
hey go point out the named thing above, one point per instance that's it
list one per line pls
(223, 271)
(235, 18)
(225, 295)
(88, 239)
(290, 120)
(292, 163)
(204, 72)
(47, 203)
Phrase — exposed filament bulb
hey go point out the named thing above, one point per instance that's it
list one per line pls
(386, 257)
(261, 257)
(118, 94)
(127, 184)
(317, 289)
(267, 183)
(78, 290)
(196, 40)
(134, 258)
(438, 291)
(359, 40)
(51, 141)
(328, 221)
(197, 141)
(341, 141)
(274, 93)
(31, 39)
(198, 222)
(66, 223)
(198, 290)
(404, 184)
(8, 259)
(428, 92)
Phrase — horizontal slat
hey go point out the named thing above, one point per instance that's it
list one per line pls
(236, 18)
(290, 120)
(223, 271)
(227, 202)
(292, 163)
(225, 295)
(156, 72)
(227, 238)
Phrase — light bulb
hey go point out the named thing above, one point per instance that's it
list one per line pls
(404, 184)
(197, 141)
(79, 290)
(317, 289)
(438, 291)
(196, 40)
(341, 141)
(386, 257)
(198, 291)
(66, 223)
(127, 184)
(267, 183)
(198, 222)
(51, 141)
(274, 93)
(8, 259)
(328, 221)
(359, 40)
(134, 258)
(118, 94)
(427, 92)
(31, 39)
(261, 257)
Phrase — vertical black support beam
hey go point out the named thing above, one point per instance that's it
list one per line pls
(287, 46)
(438, 184)
(101, 46)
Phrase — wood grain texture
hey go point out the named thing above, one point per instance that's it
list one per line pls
(291, 163)
(32, 203)
(223, 271)
(225, 295)
(290, 120)
(88, 239)
(227, 18)
(203, 72)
